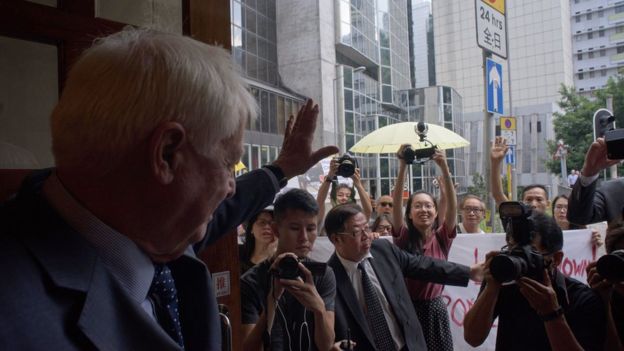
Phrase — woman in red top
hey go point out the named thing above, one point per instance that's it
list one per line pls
(425, 231)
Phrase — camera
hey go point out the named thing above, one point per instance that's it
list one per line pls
(288, 268)
(423, 154)
(420, 155)
(346, 165)
(521, 260)
(611, 266)
(615, 144)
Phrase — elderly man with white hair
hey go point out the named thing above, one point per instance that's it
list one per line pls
(98, 252)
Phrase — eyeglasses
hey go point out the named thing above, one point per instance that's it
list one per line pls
(384, 204)
(474, 210)
(358, 232)
(561, 208)
(426, 206)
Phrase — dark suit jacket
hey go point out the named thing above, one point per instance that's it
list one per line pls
(57, 295)
(391, 265)
(589, 204)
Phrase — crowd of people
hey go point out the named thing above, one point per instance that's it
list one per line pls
(100, 251)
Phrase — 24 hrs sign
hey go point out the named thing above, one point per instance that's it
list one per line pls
(491, 26)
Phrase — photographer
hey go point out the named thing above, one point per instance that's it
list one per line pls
(342, 193)
(284, 312)
(543, 309)
(425, 230)
(611, 290)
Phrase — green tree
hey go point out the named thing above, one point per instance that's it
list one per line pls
(478, 187)
(575, 125)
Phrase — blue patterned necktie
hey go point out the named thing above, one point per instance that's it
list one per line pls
(165, 296)
(375, 315)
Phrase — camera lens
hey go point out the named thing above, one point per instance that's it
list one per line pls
(505, 268)
(611, 266)
(346, 166)
(288, 268)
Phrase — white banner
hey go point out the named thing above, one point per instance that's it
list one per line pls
(469, 249)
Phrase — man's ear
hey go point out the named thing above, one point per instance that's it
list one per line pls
(166, 144)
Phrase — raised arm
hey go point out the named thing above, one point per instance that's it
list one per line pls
(450, 199)
(497, 154)
(324, 189)
(397, 194)
(587, 204)
(367, 206)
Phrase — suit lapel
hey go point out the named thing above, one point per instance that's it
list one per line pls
(197, 303)
(108, 318)
(345, 289)
(112, 321)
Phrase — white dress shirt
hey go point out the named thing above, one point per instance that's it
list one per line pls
(355, 276)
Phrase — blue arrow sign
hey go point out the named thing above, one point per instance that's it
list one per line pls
(510, 156)
(494, 78)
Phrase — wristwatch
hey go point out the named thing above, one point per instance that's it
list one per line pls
(558, 312)
(278, 173)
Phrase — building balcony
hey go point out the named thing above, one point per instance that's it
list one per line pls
(616, 17)
(617, 58)
(616, 37)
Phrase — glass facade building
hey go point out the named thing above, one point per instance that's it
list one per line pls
(254, 49)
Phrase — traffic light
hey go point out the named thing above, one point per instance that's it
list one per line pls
(603, 122)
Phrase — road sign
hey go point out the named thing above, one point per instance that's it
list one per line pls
(510, 156)
(508, 123)
(494, 79)
(498, 5)
(491, 27)
(510, 136)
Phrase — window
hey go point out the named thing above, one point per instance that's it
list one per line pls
(592, 74)
(590, 35)
(620, 49)
(601, 33)
(580, 76)
(579, 37)
(577, 18)
(601, 13)
(589, 16)
(590, 54)
(619, 9)
(603, 73)
(579, 57)
(619, 29)
(603, 52)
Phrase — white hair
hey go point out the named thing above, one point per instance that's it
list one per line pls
(128, 83)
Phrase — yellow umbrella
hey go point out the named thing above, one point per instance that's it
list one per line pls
(389, 138)
(239, 166)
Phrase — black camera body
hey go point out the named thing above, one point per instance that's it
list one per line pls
(615, 144)
(521, 260)
(421, 155)
(346, 165)
(288, 268)
(611, 266)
